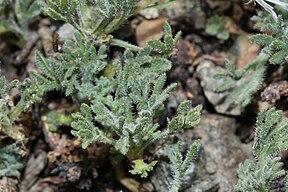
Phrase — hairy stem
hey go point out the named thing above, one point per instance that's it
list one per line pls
(124, 44)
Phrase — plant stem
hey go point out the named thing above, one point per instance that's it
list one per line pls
(115, 24)
(124, 44)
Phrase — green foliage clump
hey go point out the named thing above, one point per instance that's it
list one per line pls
(5, 111)
(216, 27)
(276, 38)
(29, 94)
(120, 98)
(96, 17)
(242, 84)
(180, 164)
(83, 71)
(186, 118)
(26, 10)
(77, 71)
(10, 163)
(271, 137)
(17, 23)
(131, 111)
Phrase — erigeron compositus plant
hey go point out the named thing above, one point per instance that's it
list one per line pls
(29, 94)
(97, 19)
(130, 114)
(10, 159)
(274, 43)
(271, 136)
(17, 23)
(271, 131)
(77, 71)
(242, 85)
(122, 97)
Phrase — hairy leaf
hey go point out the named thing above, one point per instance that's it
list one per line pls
(180, 164)
(10, 163)
(242, 84)
(271, 137)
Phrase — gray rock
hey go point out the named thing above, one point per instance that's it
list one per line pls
(163, 170)
(189, 13)
(205, 72)
(194, 91)
(66, 32)
(176, 97)
(223, 151)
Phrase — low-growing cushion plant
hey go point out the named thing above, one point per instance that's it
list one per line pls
(120, 98)
(118, 109)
